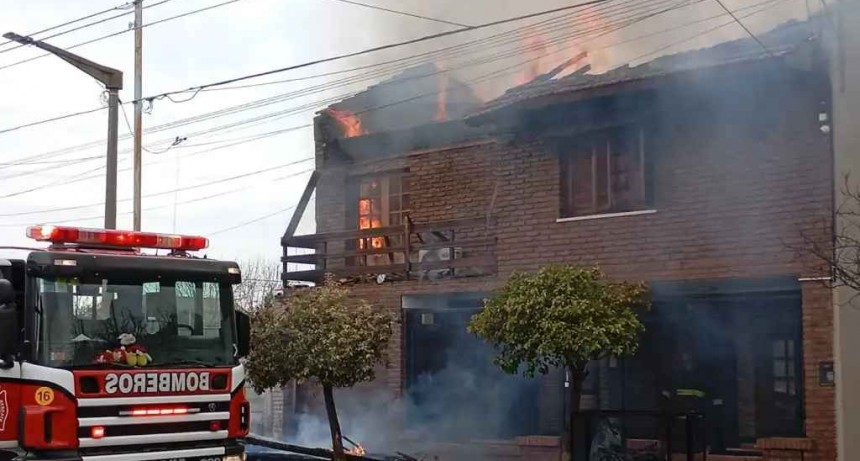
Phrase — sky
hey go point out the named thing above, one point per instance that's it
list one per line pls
(256, 170)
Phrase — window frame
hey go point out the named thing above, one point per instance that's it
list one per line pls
(401, 192)
(635, 134)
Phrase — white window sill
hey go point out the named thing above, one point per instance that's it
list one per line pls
(606, 215)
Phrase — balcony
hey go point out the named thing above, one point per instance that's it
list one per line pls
(431, 251)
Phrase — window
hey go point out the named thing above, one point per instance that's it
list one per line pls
(176, 320)
(784, 373)
(383, 201)
(604, 172)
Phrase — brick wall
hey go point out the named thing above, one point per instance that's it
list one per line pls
(731, 200)
(819, 401)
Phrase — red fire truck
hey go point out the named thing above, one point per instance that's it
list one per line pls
(120, 346)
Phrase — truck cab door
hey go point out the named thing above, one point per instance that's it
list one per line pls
(10, 376)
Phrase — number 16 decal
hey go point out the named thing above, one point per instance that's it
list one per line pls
(44, 396)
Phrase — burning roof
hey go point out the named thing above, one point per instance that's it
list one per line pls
(418, 96)
(781, 41)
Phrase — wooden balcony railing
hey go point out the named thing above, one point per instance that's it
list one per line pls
(461, 248)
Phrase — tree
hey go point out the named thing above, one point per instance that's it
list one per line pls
(319, 334)
(561, 316)
(841, 253)
(260, 279)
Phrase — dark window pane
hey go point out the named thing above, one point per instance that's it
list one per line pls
(602, 173)
(779, 349)
(601, 179)
(780, 386)
(779, 368)
(583, 201)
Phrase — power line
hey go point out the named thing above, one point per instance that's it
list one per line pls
(54, 119)
(690, 23)
(159, 207)
(403, 13)
(375, 49)
(703, 32)
(281, 114)
(744, 27)
(255, 220)
(131, 132)
(607, 28)
(114, 34)
(164, 126)
(198, 89)
(168, 192)
(492, 75)
(367, 110)
(95, 23)
(68, 23)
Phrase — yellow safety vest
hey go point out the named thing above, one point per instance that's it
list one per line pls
(690, 393)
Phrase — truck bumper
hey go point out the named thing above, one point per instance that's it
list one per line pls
(222, 453)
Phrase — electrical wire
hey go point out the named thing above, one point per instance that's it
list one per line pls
(100, 21)
(744, 27)
(114, 34)
(307, 91)
(255, 220)
(168, 192)
(677, 5)
(686, 24)
(196, 90)
(54, 119)
(159, 207)
(131, 133)
(68, 23)
(494, 74)
(375, 49)
(403, 13)
(700, 34)
(328, 85)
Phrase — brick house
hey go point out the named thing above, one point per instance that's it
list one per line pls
(701, 173)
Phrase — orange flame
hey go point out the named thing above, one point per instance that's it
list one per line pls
(366, 222)
(349, 122)
(535, 49)
(357, 450)
(442, 99)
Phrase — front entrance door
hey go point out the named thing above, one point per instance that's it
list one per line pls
(779, 410)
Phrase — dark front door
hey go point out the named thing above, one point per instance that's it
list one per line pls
(455, 392)
(778, 406)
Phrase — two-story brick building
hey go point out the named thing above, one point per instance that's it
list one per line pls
(701, 173)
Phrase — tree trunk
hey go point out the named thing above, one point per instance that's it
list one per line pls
(333, 423)
(577, 377)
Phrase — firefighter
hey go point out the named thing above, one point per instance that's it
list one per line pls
(688, 394)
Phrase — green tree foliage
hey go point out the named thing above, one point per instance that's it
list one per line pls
(561, 316)
(318, 334)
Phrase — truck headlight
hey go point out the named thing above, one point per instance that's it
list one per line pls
(241, 457)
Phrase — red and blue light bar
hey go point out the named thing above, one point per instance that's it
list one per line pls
(116, 238)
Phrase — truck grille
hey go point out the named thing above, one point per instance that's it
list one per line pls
(130, 425)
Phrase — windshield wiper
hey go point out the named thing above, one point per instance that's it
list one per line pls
(184, 363)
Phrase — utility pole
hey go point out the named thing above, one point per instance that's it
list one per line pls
(138, 108)
(112, 80)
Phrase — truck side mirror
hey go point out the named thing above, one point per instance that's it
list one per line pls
(243, 327)
(8, 324)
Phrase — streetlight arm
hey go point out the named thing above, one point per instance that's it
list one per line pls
(109, 77)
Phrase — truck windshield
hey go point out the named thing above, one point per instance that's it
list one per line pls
(122, 323)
